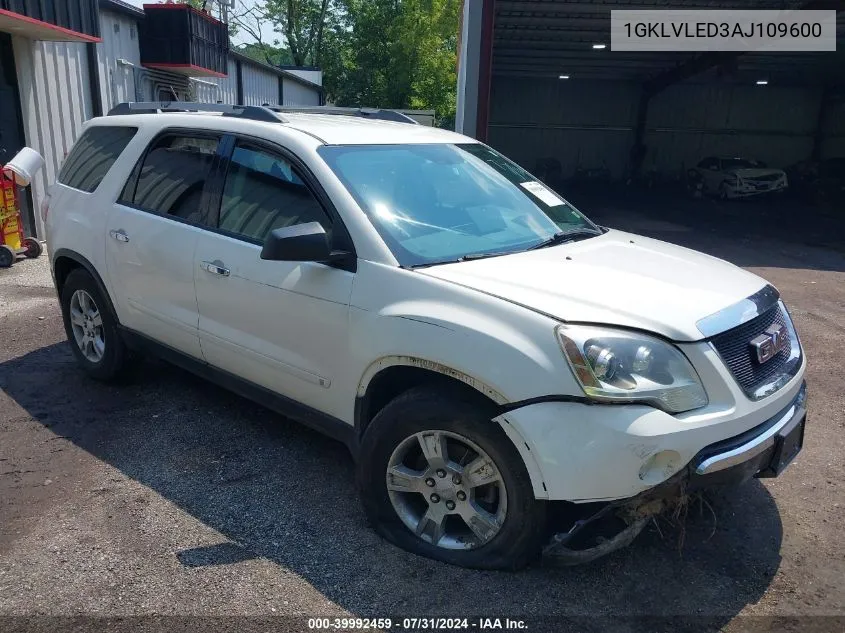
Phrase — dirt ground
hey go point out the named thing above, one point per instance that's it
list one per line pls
(169, 496)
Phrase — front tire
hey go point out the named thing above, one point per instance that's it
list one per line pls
(92, 329)
(440, 479)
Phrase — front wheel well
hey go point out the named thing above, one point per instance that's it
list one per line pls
(392, 381)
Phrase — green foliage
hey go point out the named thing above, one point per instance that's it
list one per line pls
(267, 54)
(302, 22)
(382, 53)
(395, 54)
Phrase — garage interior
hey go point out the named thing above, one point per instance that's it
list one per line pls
(620, 131)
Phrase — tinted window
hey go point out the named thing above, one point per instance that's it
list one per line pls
(93, 155)
(740, 163)
(263, 192)
(172, 176)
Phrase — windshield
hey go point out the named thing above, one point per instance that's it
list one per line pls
(740, 163)
(442, 203)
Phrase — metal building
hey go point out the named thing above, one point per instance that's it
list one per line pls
(538, 80)
(59, 68)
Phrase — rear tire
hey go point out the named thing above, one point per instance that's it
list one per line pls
(506, 537)
(91, 328)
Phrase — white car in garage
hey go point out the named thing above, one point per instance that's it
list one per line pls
(481, 346)
(737, 177)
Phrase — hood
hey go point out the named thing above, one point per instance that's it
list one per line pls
(756, 172)
(616, 278)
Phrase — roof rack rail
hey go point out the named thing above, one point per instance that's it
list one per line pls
(269, 113)
(367, 113)
(255, 113)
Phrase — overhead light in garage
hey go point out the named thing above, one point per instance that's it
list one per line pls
(563, 77)
(598, 47)
(762, 82)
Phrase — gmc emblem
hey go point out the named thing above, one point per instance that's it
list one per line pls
(770, 342)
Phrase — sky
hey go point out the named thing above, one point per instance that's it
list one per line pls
(240, 38)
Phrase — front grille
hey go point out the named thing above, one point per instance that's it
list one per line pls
(767, 178)
(734, 346)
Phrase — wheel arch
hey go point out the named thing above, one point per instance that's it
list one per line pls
(390, 376)
(65, 261)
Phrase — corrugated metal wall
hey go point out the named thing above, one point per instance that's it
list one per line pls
(228, 91)
(582, 124)
(120, 41)
(689, 121)
(55, 100)
(260, 86)
(314, 76)
(205, 91)
(833, 135)
(299, 94)
(591, 124)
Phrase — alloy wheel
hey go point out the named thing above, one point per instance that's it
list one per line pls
(87, 325)
(447, 490)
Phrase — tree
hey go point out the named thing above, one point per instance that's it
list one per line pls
(267, 54)
(394, 53)
(385, 53)
(301, 22)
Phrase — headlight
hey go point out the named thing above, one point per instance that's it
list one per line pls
(619, 366)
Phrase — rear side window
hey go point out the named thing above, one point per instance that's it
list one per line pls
(171, 178)
(93, 155)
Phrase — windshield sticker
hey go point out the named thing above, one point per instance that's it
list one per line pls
(542, 192)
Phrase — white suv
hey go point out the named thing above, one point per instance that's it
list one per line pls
(480, 345)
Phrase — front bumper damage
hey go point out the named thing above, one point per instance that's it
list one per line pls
(764, 451)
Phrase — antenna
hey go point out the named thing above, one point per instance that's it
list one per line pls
(225, 5)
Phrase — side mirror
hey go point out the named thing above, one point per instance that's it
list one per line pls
(299, 243)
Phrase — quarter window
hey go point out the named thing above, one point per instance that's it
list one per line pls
(93, 155)
(263, 192)
(172, 176)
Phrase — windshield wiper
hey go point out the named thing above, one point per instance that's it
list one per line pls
(566, 236)
(472, 256)
(463, 258)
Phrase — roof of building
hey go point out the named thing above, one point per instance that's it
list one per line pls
(122, 7)
(127, 9)
(236, 54)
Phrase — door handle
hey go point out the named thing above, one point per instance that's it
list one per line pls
(215, 268)
(120, 235)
